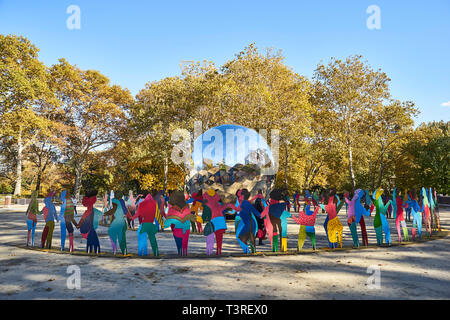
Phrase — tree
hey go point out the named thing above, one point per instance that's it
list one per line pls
(429, 149)
(390, 125)
(23, 90)
(94, 113)
(259, 91)
(345, 93)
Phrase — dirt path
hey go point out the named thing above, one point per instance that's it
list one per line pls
(417, 271)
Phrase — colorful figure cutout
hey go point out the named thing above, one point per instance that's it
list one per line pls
(178, 219)
(307, 220)
(333, 226)
(215, 209)
(380, 222)
(247, 226)
(32, 212)
(50, 216)
(86, 223)
(397, 210)
(147, 211)
(417, 218)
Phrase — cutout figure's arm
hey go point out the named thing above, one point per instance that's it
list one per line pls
(297, 220)
(254, 211)
(322, 207)
(405, 204)
(137, 213)
(265, 213)
(339, 205)
(231, 206)
(84, 216)
(387, 205)
(256, 197)
(365, 211)
(286, 214)
(111, 211)
(72, 219)
(346, 200)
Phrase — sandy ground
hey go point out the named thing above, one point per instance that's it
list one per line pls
(409, 271)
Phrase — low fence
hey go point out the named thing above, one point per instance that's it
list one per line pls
(445, 200)
(9, 200)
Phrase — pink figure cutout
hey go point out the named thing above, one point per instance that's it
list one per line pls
(399, 218)
(258, 196)
(179, 221)
(267, 223)
(351, 216)
(212, 200)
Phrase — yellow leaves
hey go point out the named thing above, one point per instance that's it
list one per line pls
(94, 109)
(150, 181)
(344, 106)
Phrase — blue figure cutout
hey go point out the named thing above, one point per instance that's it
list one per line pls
(408, 208)
(142, 242)
(50, 215)
(368, 201)
(62, 221)
(246, 225)
(417, 217)
(360, 212)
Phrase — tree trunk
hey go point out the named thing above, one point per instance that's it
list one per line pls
(186, 180)
(166, 171)
(38, 182)
(350, 166)
(372, 170)
(78, 177)
(315, 172)
(39, 175)
(381, 170)
(18, 185)
(286, 166)
(307, 175)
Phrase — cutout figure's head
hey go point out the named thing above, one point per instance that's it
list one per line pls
(177, 198)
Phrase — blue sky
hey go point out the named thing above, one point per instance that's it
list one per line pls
(134, 42)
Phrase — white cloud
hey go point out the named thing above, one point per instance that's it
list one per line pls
(446, 104)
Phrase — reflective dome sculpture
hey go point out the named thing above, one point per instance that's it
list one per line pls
(228, 158)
